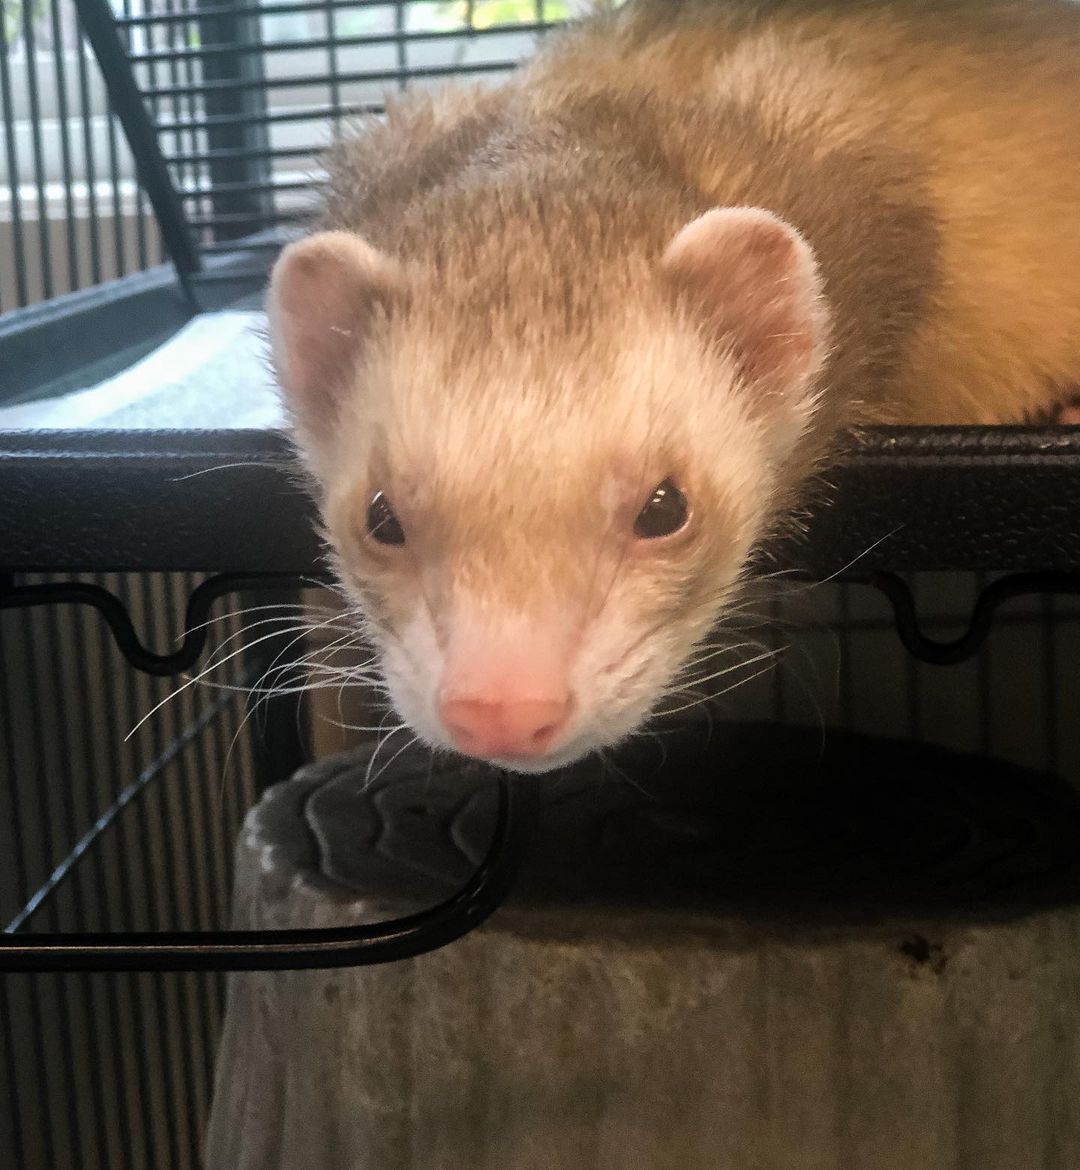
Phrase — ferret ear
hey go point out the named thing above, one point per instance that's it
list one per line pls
(754, 280)
(327, 295)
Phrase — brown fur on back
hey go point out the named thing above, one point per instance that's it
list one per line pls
(927, 151)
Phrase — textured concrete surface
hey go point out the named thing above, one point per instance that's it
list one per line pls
(866, 962)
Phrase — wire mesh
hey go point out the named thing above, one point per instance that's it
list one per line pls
(245, 97)
(102, 831)
(71, 212)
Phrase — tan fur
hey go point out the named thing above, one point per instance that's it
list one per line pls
(950, 127)
(542, 366)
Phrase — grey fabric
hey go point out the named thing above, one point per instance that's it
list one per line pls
(213, 374)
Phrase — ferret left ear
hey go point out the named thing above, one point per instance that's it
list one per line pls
(754, 281)
(327, 296)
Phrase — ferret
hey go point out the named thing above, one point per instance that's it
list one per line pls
(565, 351)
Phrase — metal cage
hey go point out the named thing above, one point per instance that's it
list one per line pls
(192, 133)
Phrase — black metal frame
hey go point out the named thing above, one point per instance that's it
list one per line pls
(1003, 499)
(261, 950)
(113, 610)
(237, 158)
(385, 942)
(905, 499)
(908, 498)
(989, 600)
(905, 616)
(100, 28)
(418, 933)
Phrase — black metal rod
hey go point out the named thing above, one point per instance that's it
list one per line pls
(264, 186)
(20, 871)
(141, 242)
(90, 167)
(216, 850)
(162, 841)
(37, 146)
(297, 949)
(210, 155)
(7, 107)
(990, 598)
(118, 618)
(309, 113)
(63, 110)
(143, 1009)
(65, 735)
(232, 84)
(119, 232)
(338, 43)
(169, 57)
(228, 10)
(303, 80)
(334, 43)
(100, 29)
(100, 711)
(400, 48)
(242, 245)
(151, 74)
(240, 276)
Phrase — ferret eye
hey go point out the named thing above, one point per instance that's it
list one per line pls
(382, 522)
(664, 514)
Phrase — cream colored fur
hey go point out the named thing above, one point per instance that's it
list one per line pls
(537, 369)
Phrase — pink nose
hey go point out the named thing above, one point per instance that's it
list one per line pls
(504, 728)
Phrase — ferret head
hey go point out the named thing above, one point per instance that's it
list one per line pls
(542, 505)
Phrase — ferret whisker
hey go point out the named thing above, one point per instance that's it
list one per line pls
(390, 762)
(645, 732)
(383, 740)
(711, 698)
(260, 691)
(368, 727)
(223, 467)
(214, 664)
(313, 658)
(295, 608)
(726, 648)
(214, 658)
(865, 552)
(610, 765)
(295, 631)
(766, 654)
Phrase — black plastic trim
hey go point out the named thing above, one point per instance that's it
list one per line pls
(902, 499)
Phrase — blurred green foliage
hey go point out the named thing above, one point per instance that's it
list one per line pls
(14, 13)
(485, 13)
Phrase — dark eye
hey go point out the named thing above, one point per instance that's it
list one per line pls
(382, 523)
(664, 514)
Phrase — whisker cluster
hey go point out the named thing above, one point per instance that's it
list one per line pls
(305, 638)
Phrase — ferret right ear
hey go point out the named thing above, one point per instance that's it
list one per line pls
(753, 282)
(327, 295)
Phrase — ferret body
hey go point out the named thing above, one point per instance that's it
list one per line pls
(567, 349)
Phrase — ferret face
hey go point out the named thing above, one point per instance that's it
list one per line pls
(539, 529)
